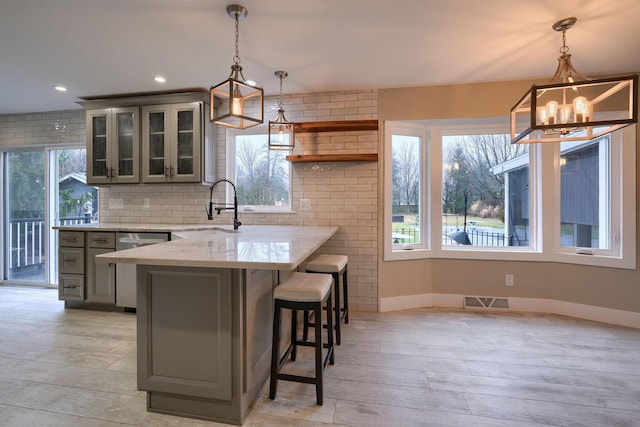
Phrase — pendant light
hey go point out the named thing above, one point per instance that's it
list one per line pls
(236, 103)
(573, 107)
(282, 134)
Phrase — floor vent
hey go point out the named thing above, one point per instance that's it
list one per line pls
(486, 303)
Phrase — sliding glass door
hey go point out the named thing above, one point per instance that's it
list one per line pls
(25, 254)
(43, 187)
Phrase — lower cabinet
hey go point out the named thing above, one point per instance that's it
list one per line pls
(101, 278)
(71, 266)
(79, 277)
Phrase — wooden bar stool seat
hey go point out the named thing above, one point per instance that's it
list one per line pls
(336, 265)
(307, 292)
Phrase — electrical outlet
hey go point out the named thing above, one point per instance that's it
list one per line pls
(145, 203)
(115, 203)
(305, 204)
(508, 280)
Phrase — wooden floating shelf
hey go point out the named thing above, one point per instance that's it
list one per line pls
(315, 158)
(336, 126)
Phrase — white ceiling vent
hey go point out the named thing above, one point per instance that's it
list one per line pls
(486, 303)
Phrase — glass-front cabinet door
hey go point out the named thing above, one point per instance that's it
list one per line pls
(155, 143)
(113, 146)
(171, 143)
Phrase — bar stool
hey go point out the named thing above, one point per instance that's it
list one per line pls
(336, 265)
(302, 291)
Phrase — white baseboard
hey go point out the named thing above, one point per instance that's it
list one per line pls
(537, 305)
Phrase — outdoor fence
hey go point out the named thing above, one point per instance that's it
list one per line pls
(476, 237)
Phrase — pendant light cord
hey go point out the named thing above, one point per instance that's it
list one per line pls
(236, 57)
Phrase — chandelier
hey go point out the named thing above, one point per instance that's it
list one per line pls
(573, 107)
(235, 102)
(282, 134)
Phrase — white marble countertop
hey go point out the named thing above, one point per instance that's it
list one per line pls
(267, 247)
(135, 227)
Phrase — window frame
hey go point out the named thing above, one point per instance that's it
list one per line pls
(231, 135)
(544, 176)
(407, 251)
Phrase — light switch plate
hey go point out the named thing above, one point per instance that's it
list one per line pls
(305, 204)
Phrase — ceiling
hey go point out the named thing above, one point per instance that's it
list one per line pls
(104, 47)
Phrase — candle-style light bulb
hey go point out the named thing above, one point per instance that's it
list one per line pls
(552, 111)
(581, 107)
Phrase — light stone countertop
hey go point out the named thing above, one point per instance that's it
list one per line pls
(266, 247)
(135, 227)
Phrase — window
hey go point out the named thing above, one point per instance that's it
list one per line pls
(485, 191)
(486, 197)
(584, 194)
(407, 180)
(262, 176)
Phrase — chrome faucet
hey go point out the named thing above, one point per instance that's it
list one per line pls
(236, 223)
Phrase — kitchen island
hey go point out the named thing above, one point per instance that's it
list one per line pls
(205, 312)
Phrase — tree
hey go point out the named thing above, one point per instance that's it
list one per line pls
(473, 157)
(406, 175)
(26, 180)
(485, 152)
(456, 179)
(262, 177)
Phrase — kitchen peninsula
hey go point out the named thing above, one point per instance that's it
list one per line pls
(205, 311)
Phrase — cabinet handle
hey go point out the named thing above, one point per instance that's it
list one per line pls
(166, 171)
(100, 240)
(70, 261)
(170, 171)
(68, 239)
(112, 173)
(70, 286)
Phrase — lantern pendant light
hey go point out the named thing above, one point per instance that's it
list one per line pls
(236, 103)
(282, 134)
(573, 107)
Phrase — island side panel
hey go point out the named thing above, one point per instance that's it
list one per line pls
(188, 346)
(256, 337)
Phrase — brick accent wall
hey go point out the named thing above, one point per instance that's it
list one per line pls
(341, 194)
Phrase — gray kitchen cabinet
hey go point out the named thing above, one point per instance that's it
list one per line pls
(100, 278)
(79, 277)
(150, 138)
(71, 266)
(113, 145)
(176, 144)
(204, 339)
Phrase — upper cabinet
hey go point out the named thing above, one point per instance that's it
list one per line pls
(171, 149)
(164, 138)
(113, 146)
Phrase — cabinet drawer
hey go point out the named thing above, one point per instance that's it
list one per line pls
(71, 287)
(71, 238)
(71, 260)
(101, 240)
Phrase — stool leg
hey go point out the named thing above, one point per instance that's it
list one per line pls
(305, 326)
(336, 287)
(345, 288)
(329, 333)
(294, 334)
(275, 347)
(318, 346)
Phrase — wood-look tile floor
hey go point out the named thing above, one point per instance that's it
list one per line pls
(427, 367)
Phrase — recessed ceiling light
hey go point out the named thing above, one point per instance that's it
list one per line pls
(159, 79)
(60, 88)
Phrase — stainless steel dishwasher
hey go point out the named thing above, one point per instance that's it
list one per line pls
(126, 273)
